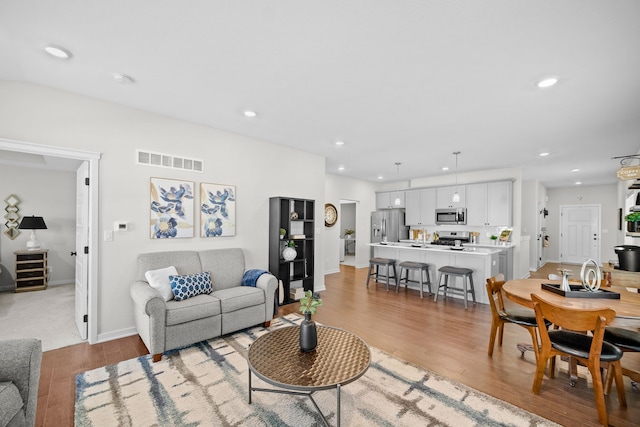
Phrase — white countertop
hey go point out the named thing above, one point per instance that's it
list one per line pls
(467, 249)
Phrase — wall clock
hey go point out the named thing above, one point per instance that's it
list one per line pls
(330, 215)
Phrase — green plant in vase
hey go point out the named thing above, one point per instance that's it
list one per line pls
(348, 233)
(633, 222)
(308, 332)
(283, 233)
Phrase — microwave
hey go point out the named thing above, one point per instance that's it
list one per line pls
(451, 216)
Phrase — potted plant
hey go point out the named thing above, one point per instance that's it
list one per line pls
(348, 233)
(289, 253)
(494, 239)
(633, 220)
(308, 333)
(283, 232)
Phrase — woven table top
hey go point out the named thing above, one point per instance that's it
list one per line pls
(340, 358)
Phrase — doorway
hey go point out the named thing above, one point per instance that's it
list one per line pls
(91, 161)
(579, 233)
(348, 236)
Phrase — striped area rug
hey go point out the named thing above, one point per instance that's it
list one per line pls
(206, 385)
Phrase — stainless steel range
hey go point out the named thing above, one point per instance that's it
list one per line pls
(448, 238)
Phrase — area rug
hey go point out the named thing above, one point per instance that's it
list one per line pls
(206, 385)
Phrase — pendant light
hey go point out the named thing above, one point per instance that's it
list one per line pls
(456, 196)
(397, 201)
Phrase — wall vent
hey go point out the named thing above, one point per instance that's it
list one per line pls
(169, 161)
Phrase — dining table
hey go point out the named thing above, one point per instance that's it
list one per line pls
(627, 307)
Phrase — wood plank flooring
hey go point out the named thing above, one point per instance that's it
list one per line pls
(442, 337)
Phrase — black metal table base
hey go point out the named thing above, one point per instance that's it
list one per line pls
(300, 393)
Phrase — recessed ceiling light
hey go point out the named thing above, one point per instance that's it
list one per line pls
(122, 78)
(575, 170)
(380, 177)
(340, 168)
(543, 154)
(249, 113)
(578, 182)
(548, 82)
(446, 168)
(339, 143)
(58, 52)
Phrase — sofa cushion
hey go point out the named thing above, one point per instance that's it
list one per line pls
(190, 285)
(225, 265)
(159, 279)
(10, 402)
(186, 262)
(233, 299)
(198, 307)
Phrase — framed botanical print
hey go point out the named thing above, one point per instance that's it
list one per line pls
(217, 210)
(171, 209)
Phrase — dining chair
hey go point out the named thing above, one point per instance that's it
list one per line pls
(627, 341)
(590, 350)
(501, 315)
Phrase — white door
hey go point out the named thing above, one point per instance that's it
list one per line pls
(82, 239)
(580, 234)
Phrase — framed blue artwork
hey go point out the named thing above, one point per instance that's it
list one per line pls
(217, 210)
(171, 209)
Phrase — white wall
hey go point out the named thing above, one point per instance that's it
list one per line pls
(258, 169)
(363, 192)
(604, 195)
(51, 195)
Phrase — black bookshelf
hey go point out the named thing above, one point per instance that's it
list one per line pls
(300, 227)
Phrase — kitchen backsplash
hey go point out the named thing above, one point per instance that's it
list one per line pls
(484, 238)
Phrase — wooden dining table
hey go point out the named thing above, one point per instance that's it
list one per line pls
(627, 307)
(520, 290)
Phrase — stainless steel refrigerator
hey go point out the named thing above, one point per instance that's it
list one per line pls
(388, 225)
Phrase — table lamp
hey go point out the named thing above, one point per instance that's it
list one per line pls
(32, 223)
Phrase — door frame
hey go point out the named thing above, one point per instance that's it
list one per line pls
(93, 159)
(598, 227)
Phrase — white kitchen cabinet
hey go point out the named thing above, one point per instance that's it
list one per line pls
(444, 197)
(421, 207)
(390, 200)
(489, 203)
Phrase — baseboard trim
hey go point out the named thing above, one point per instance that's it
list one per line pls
(110, 336)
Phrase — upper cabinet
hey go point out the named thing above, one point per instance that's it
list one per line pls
(421, 207)
(390, 200)
(489, 203)
(444, 197)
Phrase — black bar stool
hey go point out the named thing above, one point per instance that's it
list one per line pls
(407, 266)
(385, 262)
(467, 281)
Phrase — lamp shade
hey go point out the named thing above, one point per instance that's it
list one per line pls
(32, 223)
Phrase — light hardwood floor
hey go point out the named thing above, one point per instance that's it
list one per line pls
(442, 337)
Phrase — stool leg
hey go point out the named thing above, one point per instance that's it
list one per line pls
(369, 274)
(435, 298)
(402, 270)
(429, 281)
(395, 277)
(464, 281)
(387, 277)
(473, 292)
(421, 284)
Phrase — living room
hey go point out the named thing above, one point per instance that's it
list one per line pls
(38, 117)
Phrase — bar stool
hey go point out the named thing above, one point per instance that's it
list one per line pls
(421, 268)
(467, 280)
(386, 262)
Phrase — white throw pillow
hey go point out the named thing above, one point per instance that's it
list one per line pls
(159, 279)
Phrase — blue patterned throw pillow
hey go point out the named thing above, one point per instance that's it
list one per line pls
(190, 285)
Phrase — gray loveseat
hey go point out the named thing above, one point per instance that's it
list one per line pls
(20, 362)
(166, 325)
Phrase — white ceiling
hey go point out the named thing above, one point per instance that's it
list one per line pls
(407, 81)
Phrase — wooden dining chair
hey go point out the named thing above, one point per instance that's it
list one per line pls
(590, 350)
(501, 315)
(626, 340)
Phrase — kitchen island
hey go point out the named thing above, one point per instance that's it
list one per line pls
(483, 262)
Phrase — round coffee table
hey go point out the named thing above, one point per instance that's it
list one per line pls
(339, 359)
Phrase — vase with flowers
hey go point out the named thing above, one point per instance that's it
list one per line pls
(308, 332)
(289, 253)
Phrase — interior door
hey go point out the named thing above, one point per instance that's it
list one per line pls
(82, 239)
(580, 234)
